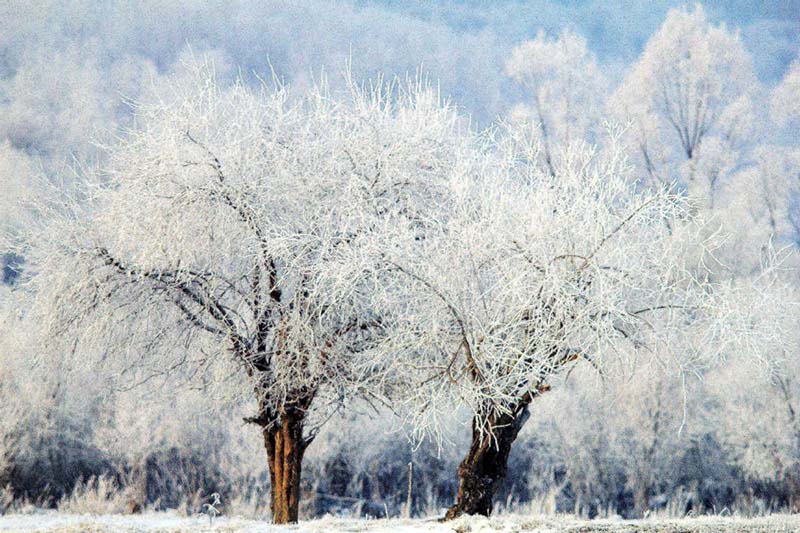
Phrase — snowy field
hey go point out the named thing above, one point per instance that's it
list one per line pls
(67, 523)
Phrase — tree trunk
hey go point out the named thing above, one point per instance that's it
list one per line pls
(484, 467)
(285, 447)
(641, 496)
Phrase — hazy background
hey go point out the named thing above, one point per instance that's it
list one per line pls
(66, 58)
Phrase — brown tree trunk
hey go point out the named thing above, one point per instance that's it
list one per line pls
(285, 447)
(484, 467)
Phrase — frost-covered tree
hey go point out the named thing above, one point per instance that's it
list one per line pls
(564, 91)
(692, 84)
(757, 399)
(17, 172)
(232, 230)
(60, 99)
(19, 182)
(615, 442)
(529, 273)
(759, 205)
(785, 104)
(49, 411)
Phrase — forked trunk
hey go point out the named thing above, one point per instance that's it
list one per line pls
(285, 447)
(484, 467)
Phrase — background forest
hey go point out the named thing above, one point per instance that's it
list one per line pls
(708, 98)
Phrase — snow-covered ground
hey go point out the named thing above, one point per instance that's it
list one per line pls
(166, 522)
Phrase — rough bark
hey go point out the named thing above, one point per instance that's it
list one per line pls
(285, 447)
(486, 463)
